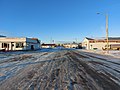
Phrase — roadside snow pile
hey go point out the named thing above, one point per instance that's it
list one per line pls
(114, 53)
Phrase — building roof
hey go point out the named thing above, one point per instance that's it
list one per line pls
(36, 39)
(48, 44)
(2, 36)
(103, 38)
(114, 38)
(89, 38)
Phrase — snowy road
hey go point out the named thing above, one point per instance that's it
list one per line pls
(59, 70)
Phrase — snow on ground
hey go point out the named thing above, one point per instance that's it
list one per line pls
(12, 62)
(114, 53)
(105, 62)
(59, 68)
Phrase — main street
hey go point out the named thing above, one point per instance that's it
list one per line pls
(59, 70)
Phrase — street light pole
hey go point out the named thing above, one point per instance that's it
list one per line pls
(107, 33)
(107, 40)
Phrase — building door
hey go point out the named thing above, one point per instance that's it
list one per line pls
(12, 45)
(5, 46)
(32, 47)
(8, 47)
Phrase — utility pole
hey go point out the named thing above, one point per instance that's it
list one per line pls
(107, 33)
(107, 40)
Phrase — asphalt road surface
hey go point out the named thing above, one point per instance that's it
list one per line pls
(60, 70)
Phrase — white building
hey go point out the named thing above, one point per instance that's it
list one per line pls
(48, 45)
(70, 45)
(19, 43)
(99, 43)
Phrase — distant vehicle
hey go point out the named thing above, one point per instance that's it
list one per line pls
(112, 47)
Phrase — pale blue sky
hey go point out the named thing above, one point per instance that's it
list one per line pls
(58, 19)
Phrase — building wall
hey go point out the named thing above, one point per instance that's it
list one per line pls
(67, 46)
(85, 44)
(70, 45)
(20, 48)
(96, 45)
(11, 43)
(30, 43)
(47, 46)
(19, 44)
(35, 46)
(100, 45)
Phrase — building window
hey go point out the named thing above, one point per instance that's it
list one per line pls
(4, 45)
(91, 46)
(19, 45)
